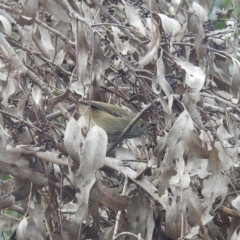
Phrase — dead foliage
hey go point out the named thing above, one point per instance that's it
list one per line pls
(165, 61)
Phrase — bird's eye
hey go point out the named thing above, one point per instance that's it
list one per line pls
(142, 125)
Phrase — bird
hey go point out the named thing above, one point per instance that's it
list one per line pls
(112, 119)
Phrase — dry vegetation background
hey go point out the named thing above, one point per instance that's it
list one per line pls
(166, 60)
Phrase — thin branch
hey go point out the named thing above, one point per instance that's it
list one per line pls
(21, 120)
(131, 124)
(221, 100)
(46, 156)
(108, 15)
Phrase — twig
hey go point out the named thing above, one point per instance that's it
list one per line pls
(23, 71)
(108, 15)
(17, 209)
(217, 109)
(21, 120)
(119, 212)
(221, 100)
(57, 33)
(130, 125)
(17, 44)
(229, 211)
(36, 80)
(143, 183)
(29, 199)
(57, 114)
(121, 26)
(140, 174)
(46, 156)
(129, 234)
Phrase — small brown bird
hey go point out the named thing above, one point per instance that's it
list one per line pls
(112, 119)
